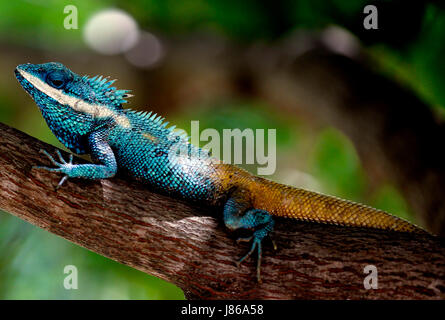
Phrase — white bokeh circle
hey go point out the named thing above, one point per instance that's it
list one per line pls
(111, 31)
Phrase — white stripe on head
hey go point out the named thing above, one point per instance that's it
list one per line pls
(97, 111)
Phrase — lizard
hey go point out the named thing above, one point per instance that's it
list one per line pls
(87, 116)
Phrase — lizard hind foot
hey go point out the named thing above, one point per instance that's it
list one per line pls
(262, 222)
(238, 214)
(256, 244)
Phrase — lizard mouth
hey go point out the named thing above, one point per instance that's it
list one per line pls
(19, 69)
(18, 75)
(21, 72)
(30, 82)
(23, 82)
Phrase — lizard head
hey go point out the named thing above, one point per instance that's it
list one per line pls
(72, 105)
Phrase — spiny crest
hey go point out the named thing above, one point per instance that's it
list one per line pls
(104, 91)
(157, 123)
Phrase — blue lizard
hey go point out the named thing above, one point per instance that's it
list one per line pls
(87, 116)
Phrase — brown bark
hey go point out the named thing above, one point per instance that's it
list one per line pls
(188, 246)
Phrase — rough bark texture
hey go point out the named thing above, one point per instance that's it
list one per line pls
(188, 246)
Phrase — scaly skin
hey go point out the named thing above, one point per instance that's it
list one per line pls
(86, 115)
(285, 201)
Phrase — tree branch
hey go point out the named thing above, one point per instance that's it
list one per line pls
(186, 245)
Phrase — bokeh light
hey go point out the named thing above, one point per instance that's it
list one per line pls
(111, 31)
(148, 52)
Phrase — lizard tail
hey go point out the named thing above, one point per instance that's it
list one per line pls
(285, 201)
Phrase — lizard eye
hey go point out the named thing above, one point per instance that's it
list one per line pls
(56, 79)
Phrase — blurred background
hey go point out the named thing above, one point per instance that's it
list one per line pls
(359, 113)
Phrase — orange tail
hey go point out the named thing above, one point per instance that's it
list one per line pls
(282, 200)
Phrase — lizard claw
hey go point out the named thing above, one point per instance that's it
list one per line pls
(274, 245)
(47, 168)
(247, 239)
(61, 182)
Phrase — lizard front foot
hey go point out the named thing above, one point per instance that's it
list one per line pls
(62, 166)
